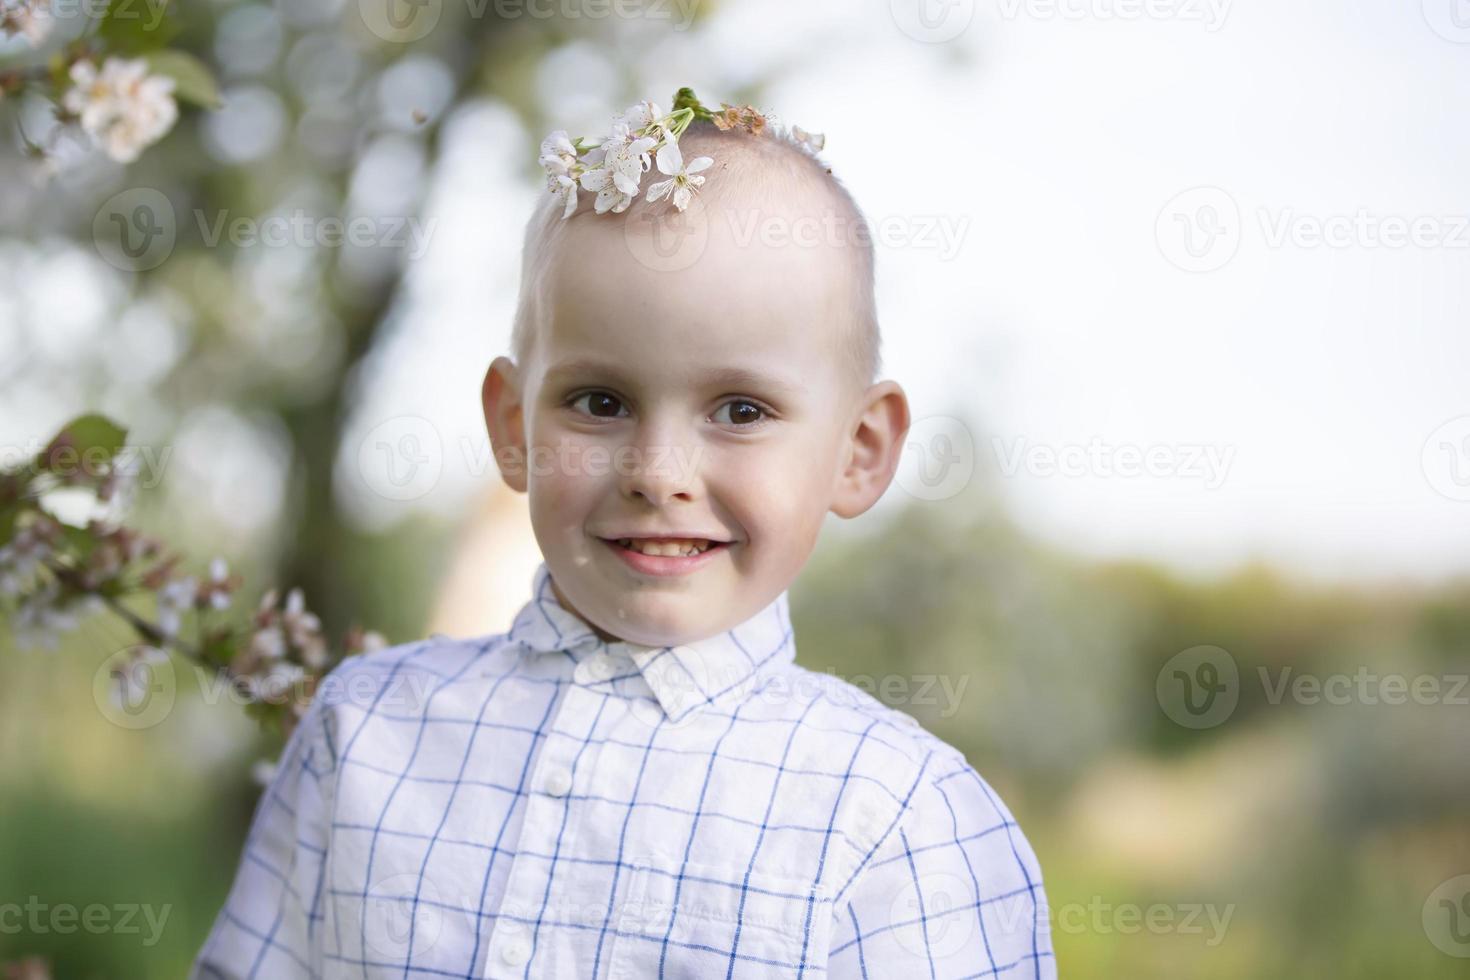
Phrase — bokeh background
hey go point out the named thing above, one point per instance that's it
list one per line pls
(1178, 291)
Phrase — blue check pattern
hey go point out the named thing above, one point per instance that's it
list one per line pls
(544, 803)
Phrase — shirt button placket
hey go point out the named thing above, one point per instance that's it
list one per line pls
(551, 783)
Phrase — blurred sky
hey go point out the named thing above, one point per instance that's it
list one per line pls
(1029, 160)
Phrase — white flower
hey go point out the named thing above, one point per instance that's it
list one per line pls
(218, 587)
(811, 141)
(636, 118)
(683, 180)
(39, 621)
(122, 106)
(263, 771)
(268, 643)
(558, 157)
(558, 154)
(304, 630)
(616, 181)
(274, 684)
(173, 599)
(566, 187)
(20, 559)
(27, 17)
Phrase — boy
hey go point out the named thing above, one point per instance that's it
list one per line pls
(636, 780)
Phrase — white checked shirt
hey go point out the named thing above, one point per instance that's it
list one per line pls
(542, 803)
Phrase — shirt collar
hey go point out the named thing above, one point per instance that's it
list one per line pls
(720, 668)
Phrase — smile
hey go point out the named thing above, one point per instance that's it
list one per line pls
(665, 556)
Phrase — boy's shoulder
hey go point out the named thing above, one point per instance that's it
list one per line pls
(827, 702)
(399, 680)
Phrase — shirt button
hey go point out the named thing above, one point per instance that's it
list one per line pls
(559, 782)
(516, 952)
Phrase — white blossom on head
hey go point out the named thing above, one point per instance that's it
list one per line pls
(612, 168)
(683, 180)
(616, 181)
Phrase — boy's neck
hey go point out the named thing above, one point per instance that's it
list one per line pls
(602, 634)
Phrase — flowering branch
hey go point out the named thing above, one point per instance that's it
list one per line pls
(56, 572)
(117, 81)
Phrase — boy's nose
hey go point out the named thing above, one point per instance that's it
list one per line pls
(658, 467)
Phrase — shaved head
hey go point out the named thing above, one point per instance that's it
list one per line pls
(769, 192)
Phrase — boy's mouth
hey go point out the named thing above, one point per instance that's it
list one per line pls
(666, 556)
(667, 547)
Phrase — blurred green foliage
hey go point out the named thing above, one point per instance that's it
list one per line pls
(1312, 833)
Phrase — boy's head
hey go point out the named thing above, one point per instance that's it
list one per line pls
(705, 374)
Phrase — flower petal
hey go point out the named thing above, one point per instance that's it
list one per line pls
(625, 182)
(670, 158)
(698, 164)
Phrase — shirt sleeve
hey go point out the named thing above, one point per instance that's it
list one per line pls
(270, 925)
(953, 890)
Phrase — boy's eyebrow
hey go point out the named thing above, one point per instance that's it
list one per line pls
(737, 377)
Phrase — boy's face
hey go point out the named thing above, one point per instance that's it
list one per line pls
(711, 403)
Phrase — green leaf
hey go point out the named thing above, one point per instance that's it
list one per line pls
(134, 27)
(686, 99)
(87, 437)
(80, 542)
(193, 81)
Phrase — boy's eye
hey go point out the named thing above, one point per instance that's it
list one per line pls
(600, 404)
(743, 412)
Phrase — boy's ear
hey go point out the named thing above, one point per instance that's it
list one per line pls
(501, 394)
(877, 446)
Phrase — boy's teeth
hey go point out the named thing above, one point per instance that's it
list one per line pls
(665, 548)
